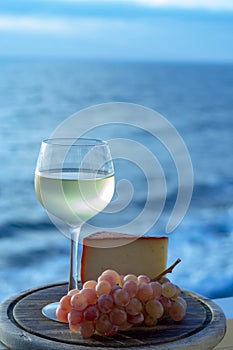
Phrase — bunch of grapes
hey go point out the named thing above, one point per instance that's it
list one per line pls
(117, 302)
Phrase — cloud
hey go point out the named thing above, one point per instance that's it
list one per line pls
(30, 23)
(209, 4)
(108, 8)
(212, 4)
(155, 35)
(61, 26)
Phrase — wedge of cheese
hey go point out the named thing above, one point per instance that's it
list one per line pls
(123, 253)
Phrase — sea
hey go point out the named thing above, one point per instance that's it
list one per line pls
(37, 95)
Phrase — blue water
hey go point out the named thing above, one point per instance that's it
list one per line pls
(36, 96)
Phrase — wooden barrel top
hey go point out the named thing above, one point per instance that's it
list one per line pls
(22, 326)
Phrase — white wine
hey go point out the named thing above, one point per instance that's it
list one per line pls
(74, 196)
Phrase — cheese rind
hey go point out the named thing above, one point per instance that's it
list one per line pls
(123, 253)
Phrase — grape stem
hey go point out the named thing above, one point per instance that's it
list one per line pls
(168, 270)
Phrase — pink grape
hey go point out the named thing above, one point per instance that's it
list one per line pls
(103, 324)
(134, 307)
(90, 284)
(178, 291)
(143, 279)
(114, 288)
(74, 327)
(130, 277)
(121, 297)
(79, 301)
(108, 277)
(182, 301)
(157, 289)
(145, 292)
(87, 329)
(103, 287)
(168, 290)
(65, 303)
(113, 330)
(105, 303)
(117, 302)
(125, 326)
(61, 314)
(121, 280)
(91, 313)
(73, 291)
(177, 311)
(136, 320)
(75, 317)
(150, 321)
(154, 308)
(131, 287)
(166, 302)
(117, 316)
(114, 274)
(90, 295)
(164, 280)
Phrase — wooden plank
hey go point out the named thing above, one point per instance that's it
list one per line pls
(22, 326)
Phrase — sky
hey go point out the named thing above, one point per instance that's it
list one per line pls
(138, 30)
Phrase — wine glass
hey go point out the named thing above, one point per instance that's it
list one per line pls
(74, 181)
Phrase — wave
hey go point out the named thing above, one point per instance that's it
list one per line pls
(12, 228)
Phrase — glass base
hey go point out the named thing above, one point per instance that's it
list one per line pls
(49, 311)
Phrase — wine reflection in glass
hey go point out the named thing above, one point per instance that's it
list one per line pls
(74, 181)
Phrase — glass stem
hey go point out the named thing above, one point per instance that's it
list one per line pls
(74, 264)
